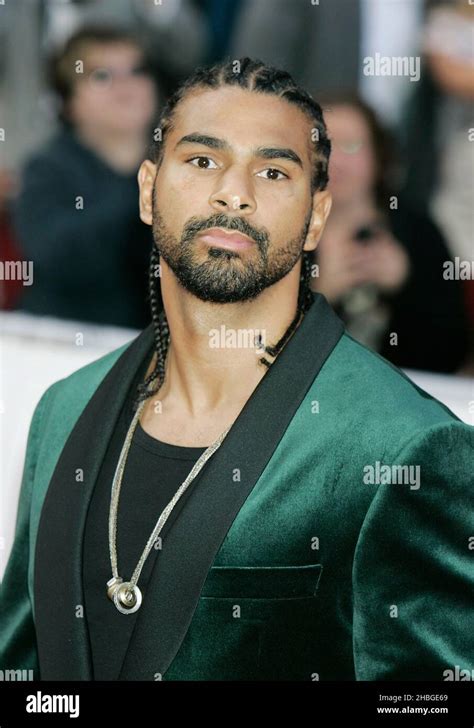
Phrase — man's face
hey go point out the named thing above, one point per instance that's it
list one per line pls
(235, 162)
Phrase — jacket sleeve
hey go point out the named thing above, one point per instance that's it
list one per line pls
(413, 575)
(17, 631)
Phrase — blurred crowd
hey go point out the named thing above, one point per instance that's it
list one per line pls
(395, 256)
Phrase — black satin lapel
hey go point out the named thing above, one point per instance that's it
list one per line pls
(62, 635)
(170, 599)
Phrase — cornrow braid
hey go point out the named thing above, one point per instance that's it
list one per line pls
(305, 300)
(253, 75)
(160, 328)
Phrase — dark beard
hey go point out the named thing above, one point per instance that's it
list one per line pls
(225, 277)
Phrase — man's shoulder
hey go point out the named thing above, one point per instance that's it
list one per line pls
(369, 412)
(77, 388)
(372, 389)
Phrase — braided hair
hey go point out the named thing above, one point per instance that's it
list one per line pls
(253, 75)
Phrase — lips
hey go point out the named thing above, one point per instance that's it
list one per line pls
(226, 239)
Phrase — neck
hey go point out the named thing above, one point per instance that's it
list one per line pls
(203, 380)
(122, 151)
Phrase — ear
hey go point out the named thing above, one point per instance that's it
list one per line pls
(322, 202)
(146, 181)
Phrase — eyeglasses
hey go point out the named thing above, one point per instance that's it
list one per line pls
(103, 76)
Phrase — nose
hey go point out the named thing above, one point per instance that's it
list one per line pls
(233, 192)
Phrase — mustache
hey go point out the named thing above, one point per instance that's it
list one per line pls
(196, 225)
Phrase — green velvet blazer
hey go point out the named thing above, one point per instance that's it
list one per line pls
(329, 538)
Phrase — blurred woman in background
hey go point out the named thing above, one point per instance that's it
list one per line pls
(76, 216)
(380, 262)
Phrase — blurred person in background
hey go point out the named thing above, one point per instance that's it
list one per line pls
(437, 134)
(441, 154)
(381, 263)
(76, 216)
(449, 48)
(176, 32)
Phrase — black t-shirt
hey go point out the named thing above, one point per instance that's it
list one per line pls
(154, 470)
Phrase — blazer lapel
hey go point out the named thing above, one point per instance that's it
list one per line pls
(60, 622)
(169, 600)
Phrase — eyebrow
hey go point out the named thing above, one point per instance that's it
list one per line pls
(221, 144)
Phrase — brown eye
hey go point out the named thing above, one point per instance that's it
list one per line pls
(202, 162)
(274, 172)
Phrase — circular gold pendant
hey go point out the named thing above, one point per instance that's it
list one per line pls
(127, 598)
